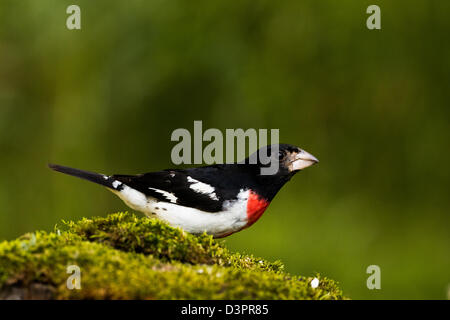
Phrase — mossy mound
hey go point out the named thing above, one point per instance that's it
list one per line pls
(126, 257)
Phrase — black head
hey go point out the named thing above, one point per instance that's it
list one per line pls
(281, 159)
(272, 166)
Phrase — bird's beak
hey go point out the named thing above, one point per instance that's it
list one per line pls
(302, 160)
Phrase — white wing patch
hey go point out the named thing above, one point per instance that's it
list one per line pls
(201, 187)
(169, 196)
(116, 183)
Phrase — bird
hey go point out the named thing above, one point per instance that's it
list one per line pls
(218, 199)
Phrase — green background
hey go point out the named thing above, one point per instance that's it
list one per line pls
(372, 105)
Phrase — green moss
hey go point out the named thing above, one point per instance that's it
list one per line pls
(125, 257)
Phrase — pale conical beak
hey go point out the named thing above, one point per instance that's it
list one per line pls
(303, 160)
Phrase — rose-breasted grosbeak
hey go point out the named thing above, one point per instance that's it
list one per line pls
(220, 199)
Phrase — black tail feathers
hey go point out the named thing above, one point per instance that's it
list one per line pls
(101, 179)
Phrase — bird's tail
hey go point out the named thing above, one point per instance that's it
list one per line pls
(101, 179)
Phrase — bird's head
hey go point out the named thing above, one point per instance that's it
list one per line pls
(283, 159)
(293, 159)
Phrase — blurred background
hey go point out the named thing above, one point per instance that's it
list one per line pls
(372, 105)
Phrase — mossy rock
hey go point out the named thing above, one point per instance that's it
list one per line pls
(126, 257)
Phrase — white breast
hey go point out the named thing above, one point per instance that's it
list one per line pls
(232, 218)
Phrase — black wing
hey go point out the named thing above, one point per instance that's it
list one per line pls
(175, 186)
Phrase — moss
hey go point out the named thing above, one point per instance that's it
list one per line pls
(125, 257)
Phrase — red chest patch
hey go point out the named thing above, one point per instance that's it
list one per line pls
(255, 207)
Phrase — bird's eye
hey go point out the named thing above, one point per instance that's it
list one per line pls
(280, 155)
